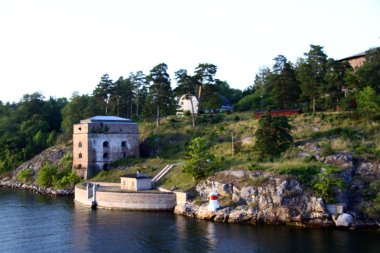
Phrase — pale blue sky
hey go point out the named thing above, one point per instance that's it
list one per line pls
(58, 47)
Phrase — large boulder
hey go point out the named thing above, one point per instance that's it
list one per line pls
(344, 220)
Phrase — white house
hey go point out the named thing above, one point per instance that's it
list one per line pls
(187, 103)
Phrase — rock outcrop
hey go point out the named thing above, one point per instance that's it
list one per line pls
(51, 155)
(10, 183)
(262, 197)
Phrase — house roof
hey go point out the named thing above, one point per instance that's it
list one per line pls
(362, 54)
(110, 119)
(136, 175)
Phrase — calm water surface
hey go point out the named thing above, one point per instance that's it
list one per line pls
(35, 223)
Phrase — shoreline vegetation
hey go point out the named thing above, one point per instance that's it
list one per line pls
(272, 169)
(322, 142)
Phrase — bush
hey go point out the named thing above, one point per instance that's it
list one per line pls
(326, 182)
(58, 176)
(25, 176)
(326, 149)
(46, 175)
(273, 136)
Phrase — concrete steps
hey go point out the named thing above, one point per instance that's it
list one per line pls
(162, 173)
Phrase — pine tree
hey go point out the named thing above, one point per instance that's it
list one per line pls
(160, 92)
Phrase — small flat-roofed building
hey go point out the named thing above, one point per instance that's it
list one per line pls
(135, 182)
(101, 140)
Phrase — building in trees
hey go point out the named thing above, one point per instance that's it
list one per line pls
(101, 140)
(356, 61)
(187, 102)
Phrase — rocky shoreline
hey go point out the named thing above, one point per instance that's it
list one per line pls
(36, 188)
(264, 198)
(246, 215)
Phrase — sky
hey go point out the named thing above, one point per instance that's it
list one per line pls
(60, 47)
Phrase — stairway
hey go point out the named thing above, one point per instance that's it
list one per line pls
(162, 173)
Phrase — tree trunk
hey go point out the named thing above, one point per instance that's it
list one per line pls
(199, 98)
(158, 115)
(314, 104)
(192, 110)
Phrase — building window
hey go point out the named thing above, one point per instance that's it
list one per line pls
(105, 166)
(105, 155)
(80, 129)
(79, 144)
(80, 155)
(79, 167)
(123, 144)
(105, 144)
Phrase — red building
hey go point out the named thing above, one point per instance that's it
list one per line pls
(287, 112)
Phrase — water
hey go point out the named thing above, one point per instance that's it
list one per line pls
(35, 223)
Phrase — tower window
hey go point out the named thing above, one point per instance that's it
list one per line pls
(105, 166)
(123, 144)
(79, 144)
(80, 155)
(105, 144)
(105, 155)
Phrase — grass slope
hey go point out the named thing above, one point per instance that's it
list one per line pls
(167, 143)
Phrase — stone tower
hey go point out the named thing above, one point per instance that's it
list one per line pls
(101, 140)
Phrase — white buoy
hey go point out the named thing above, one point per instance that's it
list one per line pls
(213, 202)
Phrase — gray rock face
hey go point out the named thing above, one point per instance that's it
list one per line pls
(275, 200)
(343, 160)
(344, 220)
(51, 155)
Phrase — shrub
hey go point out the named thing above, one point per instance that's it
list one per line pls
(326, 149)
(326, 182)
(187, 113)
(273, 136)
(46, 174)
(200, 162)
(25, 176)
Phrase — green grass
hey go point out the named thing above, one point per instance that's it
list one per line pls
(344, 131)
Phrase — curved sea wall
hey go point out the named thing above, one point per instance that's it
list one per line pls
(108, 197)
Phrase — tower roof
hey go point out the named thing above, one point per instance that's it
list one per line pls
(109, 119)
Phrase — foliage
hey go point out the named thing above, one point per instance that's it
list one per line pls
(326, 149)
(58, 176)
(200, 162)
(285, 88)
(273, 136)
(373, 208)
(28, 127)
(25, 176)
(326, 183)
(160, 94)
(46, 175)
(368, 102)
